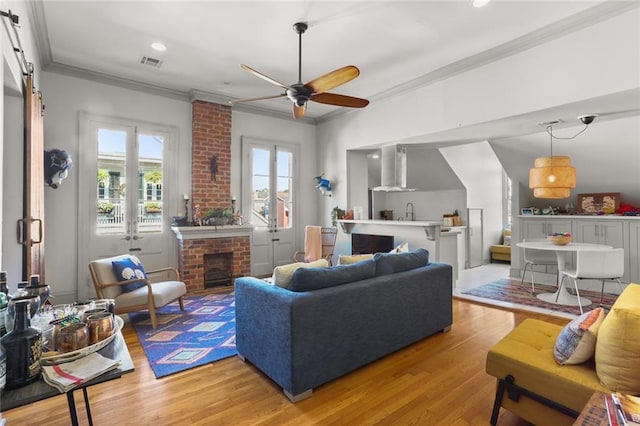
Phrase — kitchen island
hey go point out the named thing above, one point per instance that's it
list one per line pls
(440, 241)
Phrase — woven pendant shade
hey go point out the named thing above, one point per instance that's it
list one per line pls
(552, 177)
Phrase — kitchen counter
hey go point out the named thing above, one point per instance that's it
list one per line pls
(442, 247)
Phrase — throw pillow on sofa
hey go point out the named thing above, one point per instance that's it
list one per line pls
(618, 344)
(128, 269)
(355, 258)
(576, 343)
(282, 274)
(389, 263)
(317, 278)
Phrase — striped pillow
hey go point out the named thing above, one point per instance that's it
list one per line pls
(576, 343)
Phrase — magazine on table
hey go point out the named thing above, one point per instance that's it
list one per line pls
(629, 406)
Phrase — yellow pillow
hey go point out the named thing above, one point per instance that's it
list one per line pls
(348, 260)
(618, 344)
(282, 274)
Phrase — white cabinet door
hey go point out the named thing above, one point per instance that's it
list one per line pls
(634, 253)
(600, 232)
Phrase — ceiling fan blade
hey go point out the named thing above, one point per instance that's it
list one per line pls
(257, 99)
(262, 76)
(333, 79)
(298, 111)
(340, 100)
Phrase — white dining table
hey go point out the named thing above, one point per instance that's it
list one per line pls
(562, 296)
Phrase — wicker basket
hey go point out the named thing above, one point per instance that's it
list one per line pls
(559, 240)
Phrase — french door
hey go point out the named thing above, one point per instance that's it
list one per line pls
(125, 190)
(268, 199)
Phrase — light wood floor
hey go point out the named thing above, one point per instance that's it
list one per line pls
(438, 381)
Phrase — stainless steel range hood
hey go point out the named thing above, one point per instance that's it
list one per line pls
(393, 169)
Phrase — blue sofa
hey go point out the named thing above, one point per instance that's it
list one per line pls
(331, 321)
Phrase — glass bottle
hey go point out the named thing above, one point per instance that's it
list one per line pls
(23, 346)
(3, 282)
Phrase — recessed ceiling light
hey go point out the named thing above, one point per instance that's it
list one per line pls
(158, 46)
(480, 3)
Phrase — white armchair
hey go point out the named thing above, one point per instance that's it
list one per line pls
(153, 294)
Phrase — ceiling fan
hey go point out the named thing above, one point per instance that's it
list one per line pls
(315, 90)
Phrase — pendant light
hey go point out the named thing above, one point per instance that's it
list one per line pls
(554, 176)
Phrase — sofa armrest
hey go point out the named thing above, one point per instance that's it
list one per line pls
(263, 326)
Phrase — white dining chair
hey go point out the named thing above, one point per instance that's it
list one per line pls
(603, 265)
(534, 257)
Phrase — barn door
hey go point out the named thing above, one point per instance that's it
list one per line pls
(31, 226)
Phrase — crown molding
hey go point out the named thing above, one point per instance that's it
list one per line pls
(125, 83)
(35, 10)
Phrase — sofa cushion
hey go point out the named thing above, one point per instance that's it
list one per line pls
(317, 278)
(282, 274)
(129, 268)
(389, 263)
(618, 344)
(348, 260)
(576, 343)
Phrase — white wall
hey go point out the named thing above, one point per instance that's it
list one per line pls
(579, 66)
(481, 173)
(282, 130)
(65, 97)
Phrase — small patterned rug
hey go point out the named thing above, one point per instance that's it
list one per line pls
(204, 332)
(511, 291)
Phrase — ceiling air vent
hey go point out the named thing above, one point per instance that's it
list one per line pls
(152, 62)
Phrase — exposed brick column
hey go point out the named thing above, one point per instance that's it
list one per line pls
(211, 136)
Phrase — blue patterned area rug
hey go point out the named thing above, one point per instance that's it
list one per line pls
(511, 291)
(204, 332)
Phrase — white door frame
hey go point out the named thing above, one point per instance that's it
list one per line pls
(87, 154)
(271, 245)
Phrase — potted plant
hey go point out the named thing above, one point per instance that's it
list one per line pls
(153, 207)
(105, 207)
(219, 217)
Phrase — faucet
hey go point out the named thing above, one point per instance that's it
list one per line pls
(410, 214)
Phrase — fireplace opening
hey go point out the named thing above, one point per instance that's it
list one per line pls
(218, 268)
(368, 243)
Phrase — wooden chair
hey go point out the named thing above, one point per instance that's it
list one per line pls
(328, 236)
(154, 294)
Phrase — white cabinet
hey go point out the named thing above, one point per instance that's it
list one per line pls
(634, 252)
(607, 232)
(537, 228)
(615, 231)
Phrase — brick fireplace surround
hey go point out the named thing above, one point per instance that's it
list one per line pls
(211, 137)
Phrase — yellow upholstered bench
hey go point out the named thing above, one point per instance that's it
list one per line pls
(533, 386)
(502, 251)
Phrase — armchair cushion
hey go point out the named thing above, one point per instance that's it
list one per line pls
(164, 293)
(129, 268)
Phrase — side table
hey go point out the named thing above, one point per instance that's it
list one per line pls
(40, 390)
(594, 413)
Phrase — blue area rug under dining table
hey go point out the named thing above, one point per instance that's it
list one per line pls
(203, 333)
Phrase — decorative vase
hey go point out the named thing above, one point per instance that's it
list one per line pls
(23, 346)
